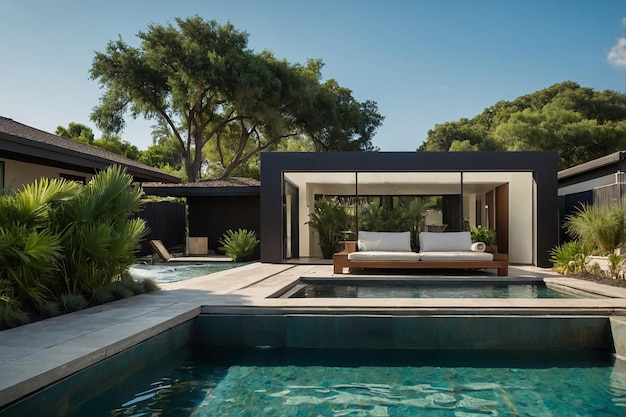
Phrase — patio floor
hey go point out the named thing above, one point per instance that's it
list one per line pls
(38, 354)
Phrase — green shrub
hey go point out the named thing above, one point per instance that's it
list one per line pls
(120, 291)
(135, 287)
(58, 237)
(149, 285)
(51, 309)
(570, 258)
(239, 245)
(11, 317)
(600, 227)
(483, 234)
(615, 265)
(102, 295)
(72, 302)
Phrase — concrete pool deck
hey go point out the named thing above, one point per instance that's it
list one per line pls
(38, 354)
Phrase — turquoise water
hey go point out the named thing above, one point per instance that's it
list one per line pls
(163, 273)
(427, 290)
(272, 382)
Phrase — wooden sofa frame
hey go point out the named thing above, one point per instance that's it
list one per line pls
(340, 261)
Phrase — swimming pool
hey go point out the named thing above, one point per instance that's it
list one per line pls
(422, 288)
(164, 273)
(307, 382)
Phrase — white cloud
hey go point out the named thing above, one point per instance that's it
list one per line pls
(617, 54)
(624, 21)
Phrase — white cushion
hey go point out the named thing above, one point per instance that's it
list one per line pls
(385, 241)
(383, 256)
(456, 256)
(446, 241)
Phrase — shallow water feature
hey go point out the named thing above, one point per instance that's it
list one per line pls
(275, 382)
(425, 290)
(162, 273)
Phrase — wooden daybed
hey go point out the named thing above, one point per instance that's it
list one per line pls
(388, 250)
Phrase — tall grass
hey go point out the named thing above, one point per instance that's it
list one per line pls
(600, 227)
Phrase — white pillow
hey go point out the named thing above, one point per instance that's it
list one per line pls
(446, 241)
(385, 241)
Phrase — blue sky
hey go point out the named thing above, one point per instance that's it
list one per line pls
(423, 62)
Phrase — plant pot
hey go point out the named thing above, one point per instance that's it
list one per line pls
(329, 249)
(491, 248)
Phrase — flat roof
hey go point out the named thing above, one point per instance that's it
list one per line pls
(593, 164)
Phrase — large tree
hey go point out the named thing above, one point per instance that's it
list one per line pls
(200, 80)
(580, 123)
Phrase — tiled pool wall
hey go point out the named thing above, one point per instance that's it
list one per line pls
(59, 398)
(404, 332)
(327, 331)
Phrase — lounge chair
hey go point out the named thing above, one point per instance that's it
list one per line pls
(437, 250)
(166, 256)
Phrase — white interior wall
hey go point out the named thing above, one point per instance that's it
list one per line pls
(469, 208)
(521, 218)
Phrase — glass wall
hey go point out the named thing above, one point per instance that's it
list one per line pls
(398, 201)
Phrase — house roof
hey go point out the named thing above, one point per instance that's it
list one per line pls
(27, 144)
(595, 164)
(233, 186)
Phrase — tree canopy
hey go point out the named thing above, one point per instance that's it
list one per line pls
(83, 133)
(580, 123)
(200, 81)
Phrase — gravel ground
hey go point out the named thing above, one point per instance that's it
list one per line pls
(602, 280)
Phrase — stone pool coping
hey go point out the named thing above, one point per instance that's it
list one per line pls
(38, 354)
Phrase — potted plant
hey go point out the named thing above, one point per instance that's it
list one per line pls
(331, 221)
(485, 235)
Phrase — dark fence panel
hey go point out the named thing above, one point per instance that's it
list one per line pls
(568, 205)
(166, 220)
(213, 216)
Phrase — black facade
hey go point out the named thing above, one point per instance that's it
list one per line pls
(543, 166)
(166, 222)
(213, 216)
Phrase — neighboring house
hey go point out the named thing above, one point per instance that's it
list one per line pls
(513, 192)
(600, 181)
(27, 154)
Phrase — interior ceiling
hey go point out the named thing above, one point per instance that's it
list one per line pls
(433, 183)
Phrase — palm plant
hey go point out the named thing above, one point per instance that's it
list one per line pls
(615, 265)
(331, 220)
(600, 227)
(570, 258)
(373, 217)
(100, 234)
(413, 215)
(29, 246)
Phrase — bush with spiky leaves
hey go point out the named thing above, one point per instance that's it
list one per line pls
(599, 227)
(570, 258)
(239, 245)
(61, 241)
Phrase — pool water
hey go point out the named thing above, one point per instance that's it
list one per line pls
(425, 290)
(163, 273)
(275, 382)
